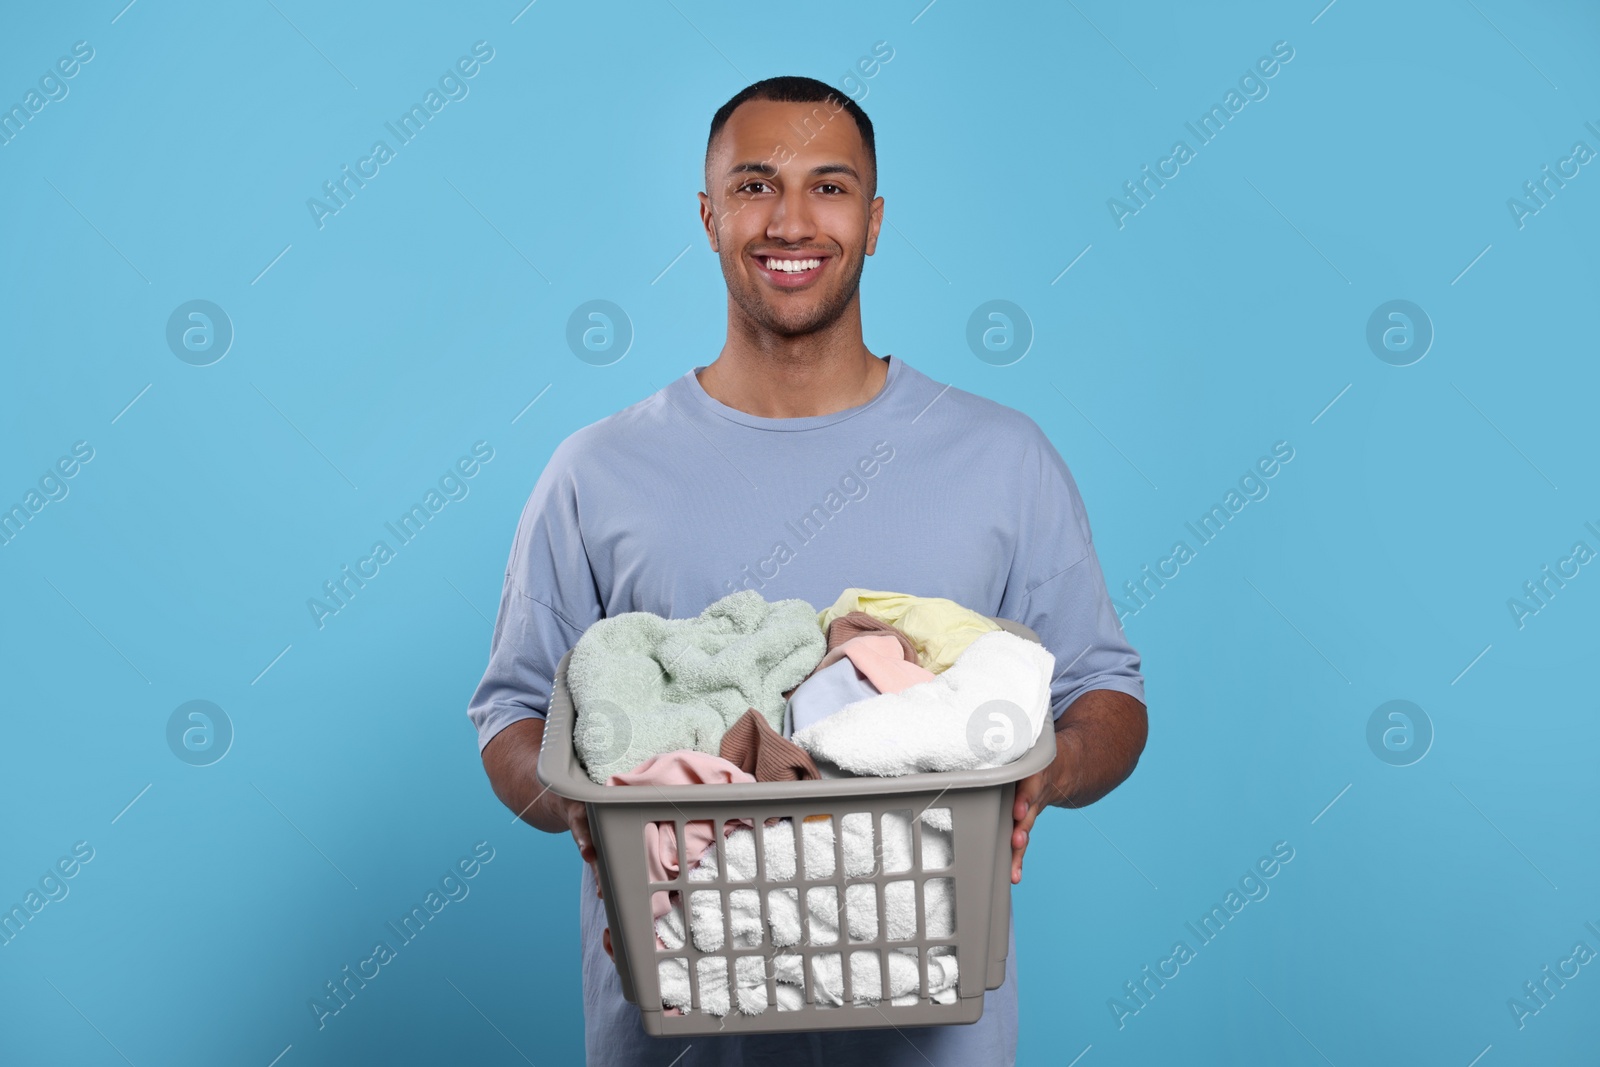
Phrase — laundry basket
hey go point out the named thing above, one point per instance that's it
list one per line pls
(978, 803)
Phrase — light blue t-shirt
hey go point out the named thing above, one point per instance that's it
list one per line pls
(678, 500)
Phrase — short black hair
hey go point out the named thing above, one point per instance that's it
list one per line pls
(793, 89)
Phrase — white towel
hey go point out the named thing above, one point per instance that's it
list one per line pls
(860, 859)
(943, 725)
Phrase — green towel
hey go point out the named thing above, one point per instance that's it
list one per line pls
(642, 685)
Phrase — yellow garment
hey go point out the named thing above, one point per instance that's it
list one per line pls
(939, 629)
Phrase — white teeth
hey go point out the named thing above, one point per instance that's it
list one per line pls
(792, 266)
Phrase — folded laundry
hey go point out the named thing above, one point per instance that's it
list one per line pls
(940, 629)
(943, 725)
(642, 685)
(706, 920)
(752, 745)
(682, 767)
(880, 660)
(825, 692)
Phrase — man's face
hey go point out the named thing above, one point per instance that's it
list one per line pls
(788, 185)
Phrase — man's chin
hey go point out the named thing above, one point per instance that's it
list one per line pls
(801, 329)
(791, 322)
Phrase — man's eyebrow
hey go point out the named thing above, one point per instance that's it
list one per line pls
(767, 169)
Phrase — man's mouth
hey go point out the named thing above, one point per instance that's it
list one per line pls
(790, 272)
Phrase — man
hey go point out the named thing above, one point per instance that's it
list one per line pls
(798, 464)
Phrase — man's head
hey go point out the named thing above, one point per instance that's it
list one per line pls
(791, 179)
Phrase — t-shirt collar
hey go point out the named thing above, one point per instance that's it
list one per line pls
(692, 386)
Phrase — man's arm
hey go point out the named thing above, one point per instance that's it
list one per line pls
(1098, 741)
(509, 759)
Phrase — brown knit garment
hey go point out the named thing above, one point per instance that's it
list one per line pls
(752, 745)
(856, 623)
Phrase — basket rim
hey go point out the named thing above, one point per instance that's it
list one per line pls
(559, 771)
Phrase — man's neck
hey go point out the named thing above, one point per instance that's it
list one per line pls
(795, 377)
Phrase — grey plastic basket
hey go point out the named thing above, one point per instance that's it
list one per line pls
(979, 802)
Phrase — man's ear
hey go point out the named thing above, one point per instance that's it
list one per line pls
(874, 223)
(707, 222)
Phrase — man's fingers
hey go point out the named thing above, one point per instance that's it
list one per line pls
(1024, 797)
(1030, 792)
(1025, 811)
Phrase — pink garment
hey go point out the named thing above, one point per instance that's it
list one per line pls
(683, 766)
(879, 657)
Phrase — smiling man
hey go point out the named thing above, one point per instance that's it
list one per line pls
(965, 499)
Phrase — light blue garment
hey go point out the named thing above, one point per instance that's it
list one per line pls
(826, 691)
(678, 500)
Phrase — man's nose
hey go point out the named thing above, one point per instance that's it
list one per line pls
(791, 220)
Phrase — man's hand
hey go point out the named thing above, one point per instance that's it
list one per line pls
(1098, 741)
(1034, 793)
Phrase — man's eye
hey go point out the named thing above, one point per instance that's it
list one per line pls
(835, 188)
(748, 185)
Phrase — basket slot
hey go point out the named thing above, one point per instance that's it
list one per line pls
(785, 900)
(862, 906)
(935, 952)
(759, 828)
(866, 969)
(674, 908)
(897, 855)
(822, 902)
(856, 828)
(901, 893)
(791, 963)
(935, 925)
(838, 847)
(936, 849)
(730, 825)
(713, 972)
(747, 903)
(817, 842)
(782, 864)
(666, 967)
(752, 997)
(701, 901)
(922, 976)
(818, 962)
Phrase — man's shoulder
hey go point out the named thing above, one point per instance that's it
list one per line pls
(627, 429)
(968, 409)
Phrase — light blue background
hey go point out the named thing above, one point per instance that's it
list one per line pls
(426, 315)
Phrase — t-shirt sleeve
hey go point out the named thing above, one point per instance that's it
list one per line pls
(549, 598)
(1056, 588)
